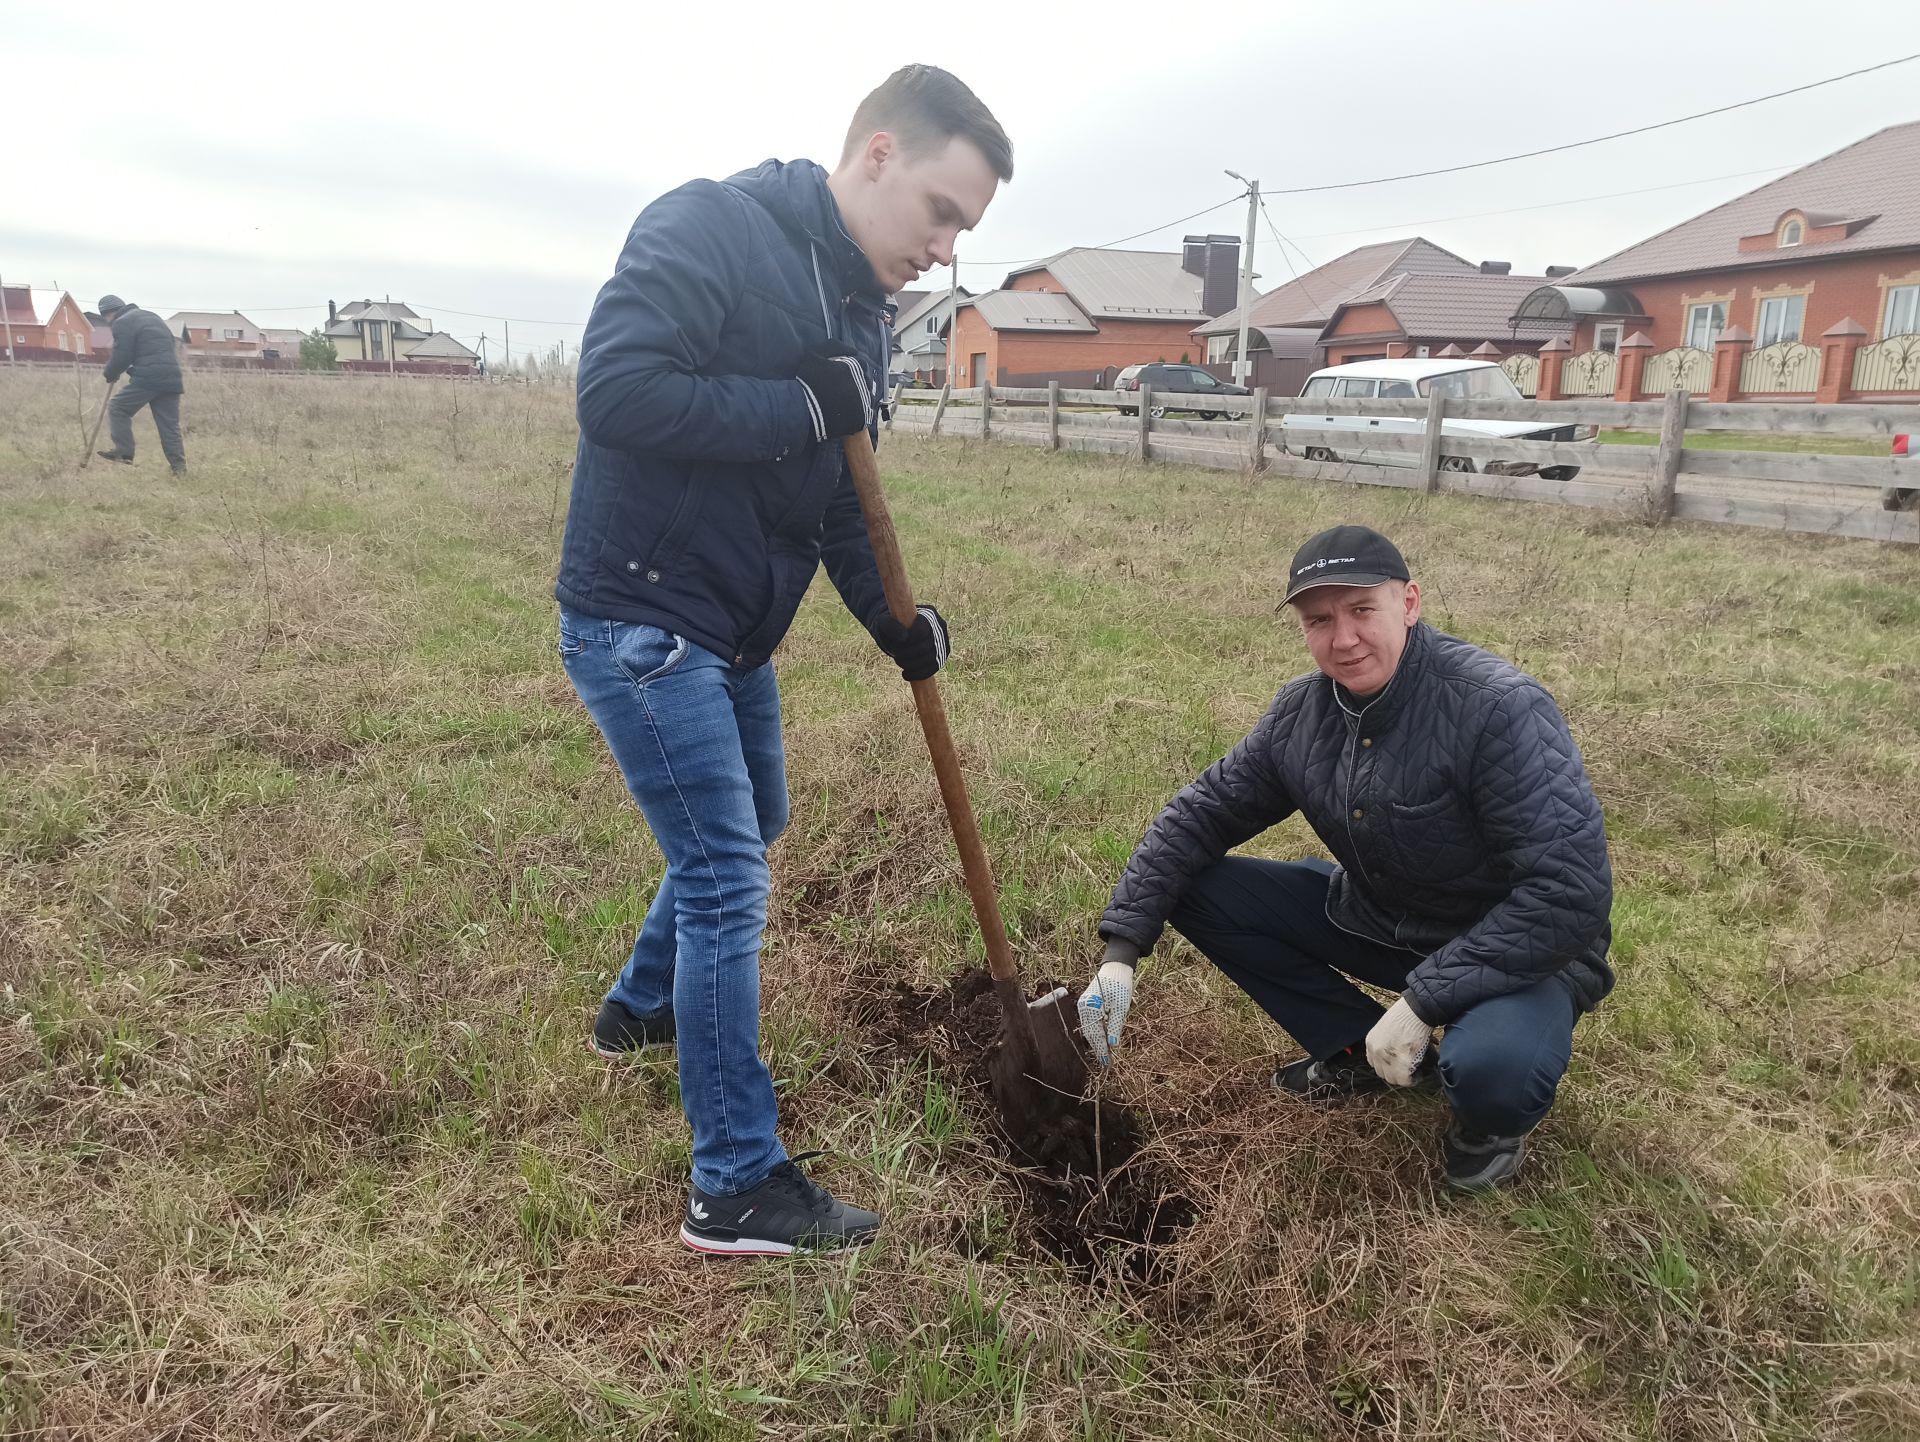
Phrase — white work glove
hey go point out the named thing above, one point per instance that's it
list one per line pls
(1396, 1044)
(1104, 1004)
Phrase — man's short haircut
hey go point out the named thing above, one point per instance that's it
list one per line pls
(923, 107)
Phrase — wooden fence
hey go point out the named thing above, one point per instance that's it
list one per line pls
(1863, 496)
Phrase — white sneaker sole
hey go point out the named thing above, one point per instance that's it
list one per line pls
(621, 1053)
(755, 1247)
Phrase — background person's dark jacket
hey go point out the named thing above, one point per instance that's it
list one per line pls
(144, 350)
(1456, 804)
(701, 502)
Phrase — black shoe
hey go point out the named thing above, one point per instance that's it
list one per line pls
(1331, 1079)
(1477, 1163)
(621, 1031)
(114, 456)
(786, 1213)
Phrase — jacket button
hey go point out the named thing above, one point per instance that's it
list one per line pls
(1366, 741)
(633, 565)
(653, 575)
(1358, 813)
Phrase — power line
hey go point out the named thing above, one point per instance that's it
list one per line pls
(482, 315)
(1600, 139)
(1109, 245)
(1543, 205)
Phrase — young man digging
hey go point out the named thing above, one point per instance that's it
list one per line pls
(743, 334)
(1473, 876)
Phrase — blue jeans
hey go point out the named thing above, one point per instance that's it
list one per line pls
(698, 742)
(1264, 923)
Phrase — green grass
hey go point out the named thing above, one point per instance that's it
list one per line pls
(312, 870)
(1757, 441)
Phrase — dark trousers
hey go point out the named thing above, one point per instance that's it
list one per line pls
(1264, 923)
(126, 405)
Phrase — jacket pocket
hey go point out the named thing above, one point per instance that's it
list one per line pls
(1435, 839)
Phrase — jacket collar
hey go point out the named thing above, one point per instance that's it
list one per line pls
(796, 194)
(1377, 712)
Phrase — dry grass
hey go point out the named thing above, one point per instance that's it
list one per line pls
(311, 870)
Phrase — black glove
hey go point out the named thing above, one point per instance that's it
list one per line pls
(920, 649)
(838, 397)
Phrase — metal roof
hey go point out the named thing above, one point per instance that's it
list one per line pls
(1467, 306)
(1030, 310)
(1311, 299)
(378, 310)
(441, 346)
(213, 320)
(1124, 284)
(1569, 302)
(929, 301)
(1405, 370)
(1875, 180)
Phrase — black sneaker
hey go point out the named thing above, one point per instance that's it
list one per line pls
(1477, 1163)
(786, 1213)
(114, 456)
(621, 1031)
(1331, 1079)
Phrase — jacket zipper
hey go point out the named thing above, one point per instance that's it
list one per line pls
(1353, 761)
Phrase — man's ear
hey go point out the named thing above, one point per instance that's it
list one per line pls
(1412, 591)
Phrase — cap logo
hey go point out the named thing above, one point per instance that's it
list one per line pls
(1324, 562)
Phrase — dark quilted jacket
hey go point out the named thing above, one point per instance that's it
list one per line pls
(144, 348)
(1456, 805)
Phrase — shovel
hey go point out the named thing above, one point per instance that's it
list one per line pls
(1039, 1075)
(86, 459)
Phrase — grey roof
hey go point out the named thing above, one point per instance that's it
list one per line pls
(1311, 299)
(1875, 182)
(1564, 302)
(282, 337)
(341, 328)
(905, 300)
(378, 310)
(441, 346)
(214, 320)
(1030, 310)
(1465, 306)
(1124, 284)
(929, 301)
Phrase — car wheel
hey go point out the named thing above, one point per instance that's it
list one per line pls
(1321, 453)
(1158, 412)
(1459, 464)
(1209, 415)
(1129, 411)
(1559, 473)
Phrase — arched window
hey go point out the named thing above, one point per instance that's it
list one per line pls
(1790, 234)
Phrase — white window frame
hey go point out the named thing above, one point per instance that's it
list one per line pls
(1901, 298)
(1219, 349)
(1714, 329)
(1787, 305)
(1600, 333)
(1792, 234)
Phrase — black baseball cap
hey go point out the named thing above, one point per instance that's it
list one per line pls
(1346, 556)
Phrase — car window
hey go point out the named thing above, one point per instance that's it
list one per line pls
(1319, 386)
(1396, 390)
(1487, 383)
(1353, 387)
(1202, 380)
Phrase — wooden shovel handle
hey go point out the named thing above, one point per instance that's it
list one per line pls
(933, 715)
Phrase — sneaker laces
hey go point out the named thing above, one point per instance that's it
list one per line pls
(809, 1193)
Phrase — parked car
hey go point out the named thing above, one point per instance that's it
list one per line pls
(1903, 498)
(1190, 384)
(1413, 380)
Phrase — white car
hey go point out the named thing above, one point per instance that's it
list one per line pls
(1412, 380)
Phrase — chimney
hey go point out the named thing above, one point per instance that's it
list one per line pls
(1220, 279)
(332, 314)
(1496, 267)
(1554, 272)
(1193, 255)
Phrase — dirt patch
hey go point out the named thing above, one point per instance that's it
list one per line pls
(1088, 1194)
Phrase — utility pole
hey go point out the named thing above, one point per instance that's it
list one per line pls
(953, 312)
(390, 329)
(1243, 363)
(507, 345)
(483, 350)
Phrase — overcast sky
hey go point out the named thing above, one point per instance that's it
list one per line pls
(220, 156)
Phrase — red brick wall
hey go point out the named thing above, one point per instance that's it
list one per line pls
(1843, 287)
(1365, 320)
(1117, 343)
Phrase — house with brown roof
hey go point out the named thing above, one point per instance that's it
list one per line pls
(1417, 315)
(216, 333)
(1081, 316)
(49, 320)
(1807, 285)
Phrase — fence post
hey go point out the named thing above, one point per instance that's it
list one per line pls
(1430, 442)
(946, 389)
(1666, 462)
(1146, 419)
(1053, 415)
(986, 405)
(893, 406)
(1257, 428)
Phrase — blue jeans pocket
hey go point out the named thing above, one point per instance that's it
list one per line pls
(645, 654)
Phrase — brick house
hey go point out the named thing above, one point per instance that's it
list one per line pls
(920, 325)
(1789, 289)
(1414, 315)
(216, 333)
(46, 320)
(1083, 315)
(1283, 329)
